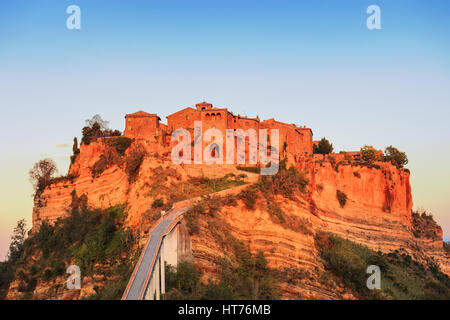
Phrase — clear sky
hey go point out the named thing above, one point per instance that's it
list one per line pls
(312, 62)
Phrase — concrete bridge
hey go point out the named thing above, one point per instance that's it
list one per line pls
(168, 243)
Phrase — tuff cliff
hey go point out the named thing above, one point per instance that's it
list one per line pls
(376, 213)
(158, 178)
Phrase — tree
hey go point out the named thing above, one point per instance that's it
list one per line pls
(323, 147)
(96, 128)
(91, 133)
(369, 154)
(41, 174)
(17, 240)
(97, 119)
(395, 156)
(75, 149)
(75, 146)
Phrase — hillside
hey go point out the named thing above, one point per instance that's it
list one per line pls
(290, 227)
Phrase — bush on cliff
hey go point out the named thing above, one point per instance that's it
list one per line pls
(370, 154)
(424, 225)
(133, 162)
(286, 182)
(342, 198)
(323, 147)
(158, 203)
(207, 206)
(401, 276)
(395, 156)
(75, 150)
(96, 128)
(120, 144)
(112, 154)
(248, 196)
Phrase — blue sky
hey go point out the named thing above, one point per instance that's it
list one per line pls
(314, 63)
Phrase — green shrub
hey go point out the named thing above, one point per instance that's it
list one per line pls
(158, 203)
(396, 157)
(401, 277)
(248, 196)
(249, 278)
(342, 198)
(96, 128)
(286, 182)
(191, 217)
(99, 167)
(229, 200)
(184, 282)
(120, 144)
(133, 162)
(370, 154)
(323, 147)
(275, 210)
(424, 225)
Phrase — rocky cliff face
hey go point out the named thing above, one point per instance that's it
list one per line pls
(157, 175)
(376, 213)
(378, 209)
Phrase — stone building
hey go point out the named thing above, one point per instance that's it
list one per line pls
(148, 128)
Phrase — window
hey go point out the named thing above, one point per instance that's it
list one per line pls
(207, 116)
(219, 116)
(215, 151)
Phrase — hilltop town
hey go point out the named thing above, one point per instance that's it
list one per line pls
(353, 206)
(156, 135)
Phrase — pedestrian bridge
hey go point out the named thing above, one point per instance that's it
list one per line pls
(168, 243)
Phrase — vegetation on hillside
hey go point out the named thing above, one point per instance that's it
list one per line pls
(424, 225)
(240, 275)
(248, 278)
(167, 182)
(401, 276)
(133, 162)
(95, 240)
(288, 183)
(15, 253)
